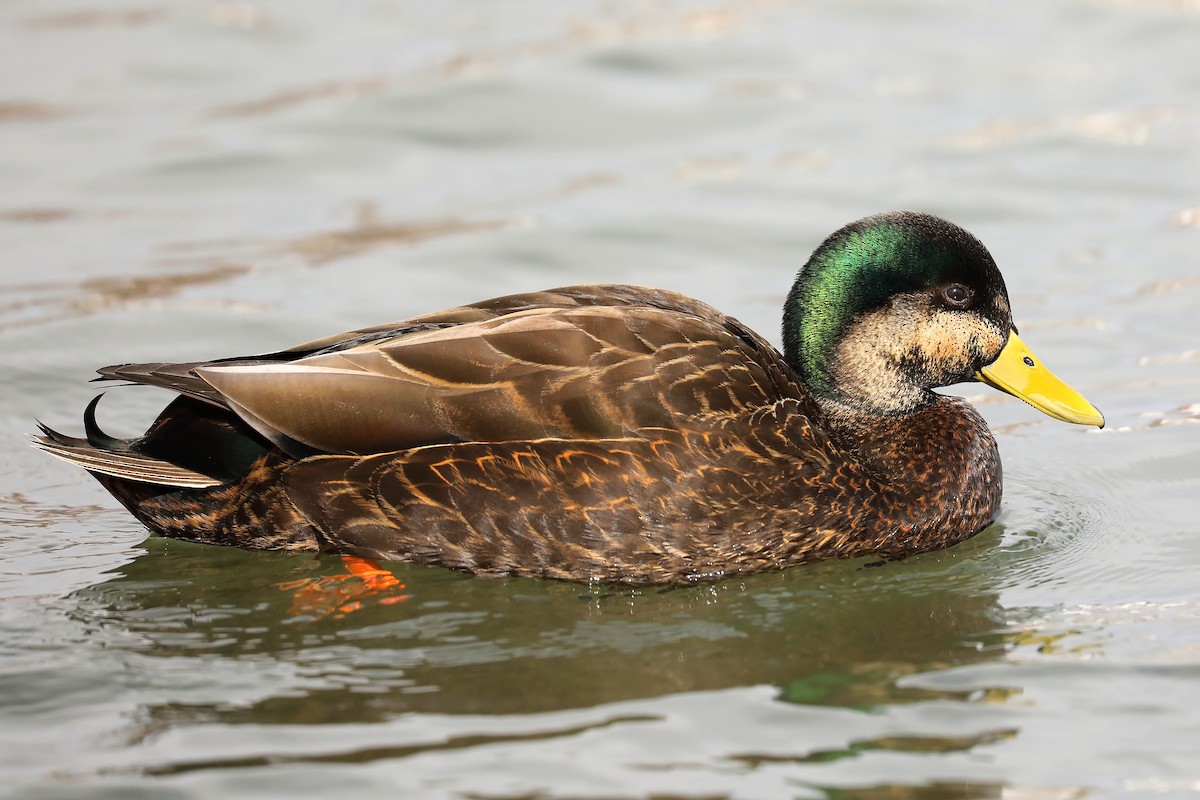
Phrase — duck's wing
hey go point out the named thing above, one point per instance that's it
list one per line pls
(181, 377)
(583, 373)
(579, 363)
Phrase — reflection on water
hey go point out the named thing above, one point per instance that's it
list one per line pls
(838, 634)
(535, 666)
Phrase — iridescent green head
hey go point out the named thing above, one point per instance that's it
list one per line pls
(891, 306)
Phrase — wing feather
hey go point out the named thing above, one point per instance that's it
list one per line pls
(574, 363)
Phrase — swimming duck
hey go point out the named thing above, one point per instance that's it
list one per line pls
(608, 433)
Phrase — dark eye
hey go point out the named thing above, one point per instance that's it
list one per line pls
(956, 295)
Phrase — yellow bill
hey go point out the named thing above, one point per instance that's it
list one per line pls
(1017, 372)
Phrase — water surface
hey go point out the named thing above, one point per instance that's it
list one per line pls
(231, 177)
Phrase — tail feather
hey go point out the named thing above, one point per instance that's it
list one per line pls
(95, 436)
(126, 464)
(199, 473)
(59, 438)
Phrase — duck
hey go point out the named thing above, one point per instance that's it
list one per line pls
(607, 433)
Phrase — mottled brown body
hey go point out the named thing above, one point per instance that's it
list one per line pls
(759, 492)
(609, 433)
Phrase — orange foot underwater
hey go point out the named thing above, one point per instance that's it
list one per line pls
(344, 593)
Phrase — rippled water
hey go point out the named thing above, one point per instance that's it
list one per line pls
(189, 181)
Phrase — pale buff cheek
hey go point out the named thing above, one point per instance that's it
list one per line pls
(910, 331)
(944, 338)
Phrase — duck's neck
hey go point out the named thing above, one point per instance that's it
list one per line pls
(941, 451)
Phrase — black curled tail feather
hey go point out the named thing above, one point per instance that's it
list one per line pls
(95, 436)
(102, 454)
(198, 474)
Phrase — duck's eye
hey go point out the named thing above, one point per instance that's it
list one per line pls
(956, 295)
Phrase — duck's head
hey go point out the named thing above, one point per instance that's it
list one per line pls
(894, 305)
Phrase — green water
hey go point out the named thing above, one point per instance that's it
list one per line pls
(194, 181)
